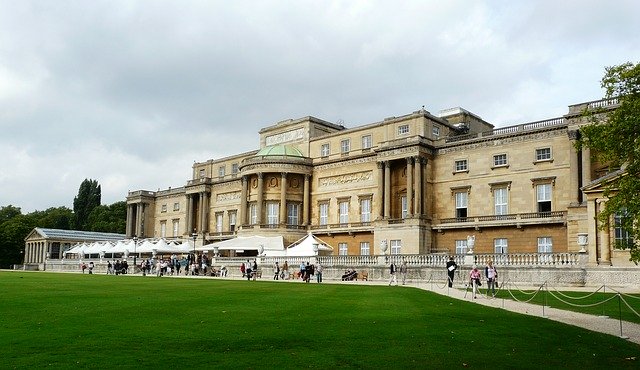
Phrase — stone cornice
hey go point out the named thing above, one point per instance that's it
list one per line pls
(490, 141)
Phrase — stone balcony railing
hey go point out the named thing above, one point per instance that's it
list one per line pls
(519, 219)
(509, 130)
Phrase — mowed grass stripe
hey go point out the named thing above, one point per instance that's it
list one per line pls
(73, 320)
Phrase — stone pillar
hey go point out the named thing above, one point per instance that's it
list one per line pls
(129, 232)
(409, 187)
(586, 168)
(137, 228)
(417, 208)
(593, 230)
(204, 215)
(305, 201)
(259, 198)
(574, 181)
(605, 240)
(387, 189)
(190, 223)
(283, 198)
(242, 209)
(379, 193)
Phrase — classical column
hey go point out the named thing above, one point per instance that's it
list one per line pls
(417, 208)
(137, 229)
(605, 240)
(387, 189)
(259, 198)
(586, 167)
(379, 193)
(409, 187)
(305, 202)
(128, 231)
(190, 222)
(204, 214)
(283, 198)
(574, 181)
(242, 209)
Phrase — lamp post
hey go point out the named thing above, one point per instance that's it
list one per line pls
(194, 236)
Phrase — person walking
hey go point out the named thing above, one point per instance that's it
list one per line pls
(319, 270)
(491, 274)
(403, 271)
(474, 280)
(392, 274)
(276, 271)
(451, 270)
(285, 271)
(255, 269)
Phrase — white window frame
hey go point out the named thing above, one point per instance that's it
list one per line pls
(164, 208)
(461, 165)
(543, 195)
(403, 130)
(345, 146)
(435, 132)
(343, 249)
(273, 213)
(176, 227)
(176, 206)
(365, 210)
(202, 174)
(323, 214)
(395, 246)
(219, 222)
(365, 249)
(293, 213)
(545, 244)
(500, 246)
(501, 201)
(253, 213)
(544, 154)
(234, 168)
(163, 229)
(404, 205)
(461, 246)
(367, 141)
(233, 219)
(325, 150)
(221, 171)
(621, 236)
(500, 160)
(343, 212)
(462, 202)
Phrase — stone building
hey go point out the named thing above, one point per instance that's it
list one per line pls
(414, 184)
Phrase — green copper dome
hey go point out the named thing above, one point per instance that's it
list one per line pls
(280, 150)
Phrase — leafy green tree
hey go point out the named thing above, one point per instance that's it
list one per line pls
(89, 196)
(110, 219)
(614, 138)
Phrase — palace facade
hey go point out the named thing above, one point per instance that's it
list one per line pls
(414, 184)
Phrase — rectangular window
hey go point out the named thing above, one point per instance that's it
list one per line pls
(461, 204)
(202, 173)
(164, 208)
(323, 209)
(218, 222)
(543, 154)
(273, 213)
(234, 168)
(500, 245)
(364, 249)
(365, 210)
(622, 237)
(403, 201)
(292, 213)
(233, 216)
(545, 245)
(366, 142)
(176, 227)
(344, 212)
(176, 206)
(403, 130)
(544, 197)
(461, 165)
(342, 249)
(345, 146)
(461, 246)
(499, 160)
(501, 202)
(163, 229)
(253, 213)
(435, 132)
(221, 171)
(396, 246)
(324, 150)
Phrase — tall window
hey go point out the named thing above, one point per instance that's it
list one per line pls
(221, 171)
(273, 212)
(344, 212)
(544, 197)
(163, 229)
(219, 222)
(461, 204)
(233, 216)
(176, 206)
(342, 249)
(461, 165)
(176, 227)
(622, 237)
(435, 132)
(403, 201)
(364, 249)
(323, 209)
(499, 160)
(292, 213)
(366, 142)
(403, 129)
(253, 213)
(202, 173)
(396, 246)
(345, 146)
(545, 245)
(501, 202)
(234, 168)
(461, 246)
(164, 208)
(365, 210)
(543, 154)
(324, 150)
(500, 245)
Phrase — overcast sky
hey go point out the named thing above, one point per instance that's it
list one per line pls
(130, 93)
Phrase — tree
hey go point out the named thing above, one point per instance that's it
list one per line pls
(614, 138)
(109, 219)
(88, 198)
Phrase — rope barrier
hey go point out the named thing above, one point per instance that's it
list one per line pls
(627, 304)
(624, 294)
(578, 298)
(528, 300)
(583, 305)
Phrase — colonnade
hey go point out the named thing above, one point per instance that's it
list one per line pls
(198, 202)
(35, 252)
(135, 219)
(414, 181)
(578, 159)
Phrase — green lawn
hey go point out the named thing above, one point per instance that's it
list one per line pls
(74, 320)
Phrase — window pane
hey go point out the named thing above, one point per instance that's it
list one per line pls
(366, 142)
(545, 245)
(461, 246)
(342, 249)
(324, 213)
(273, 212)
(364, 249)
(500, 245)
(500, 199)
(365, 210)
(344, 212)
(396, 246)
(292, 213)
(253, 211)
(404, 207)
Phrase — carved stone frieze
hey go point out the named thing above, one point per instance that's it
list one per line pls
(350, 162)
(488, 142)
(346, 179)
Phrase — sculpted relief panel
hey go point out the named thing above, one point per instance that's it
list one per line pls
(285, 137)
(227, 197)
(347, 180)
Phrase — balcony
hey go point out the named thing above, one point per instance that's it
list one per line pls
(518, 220)
(343, 227)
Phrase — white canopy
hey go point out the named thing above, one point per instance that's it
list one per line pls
(270, 245)
(304, 247)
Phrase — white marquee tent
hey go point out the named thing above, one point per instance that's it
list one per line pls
(266, 245)
(305, 246)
